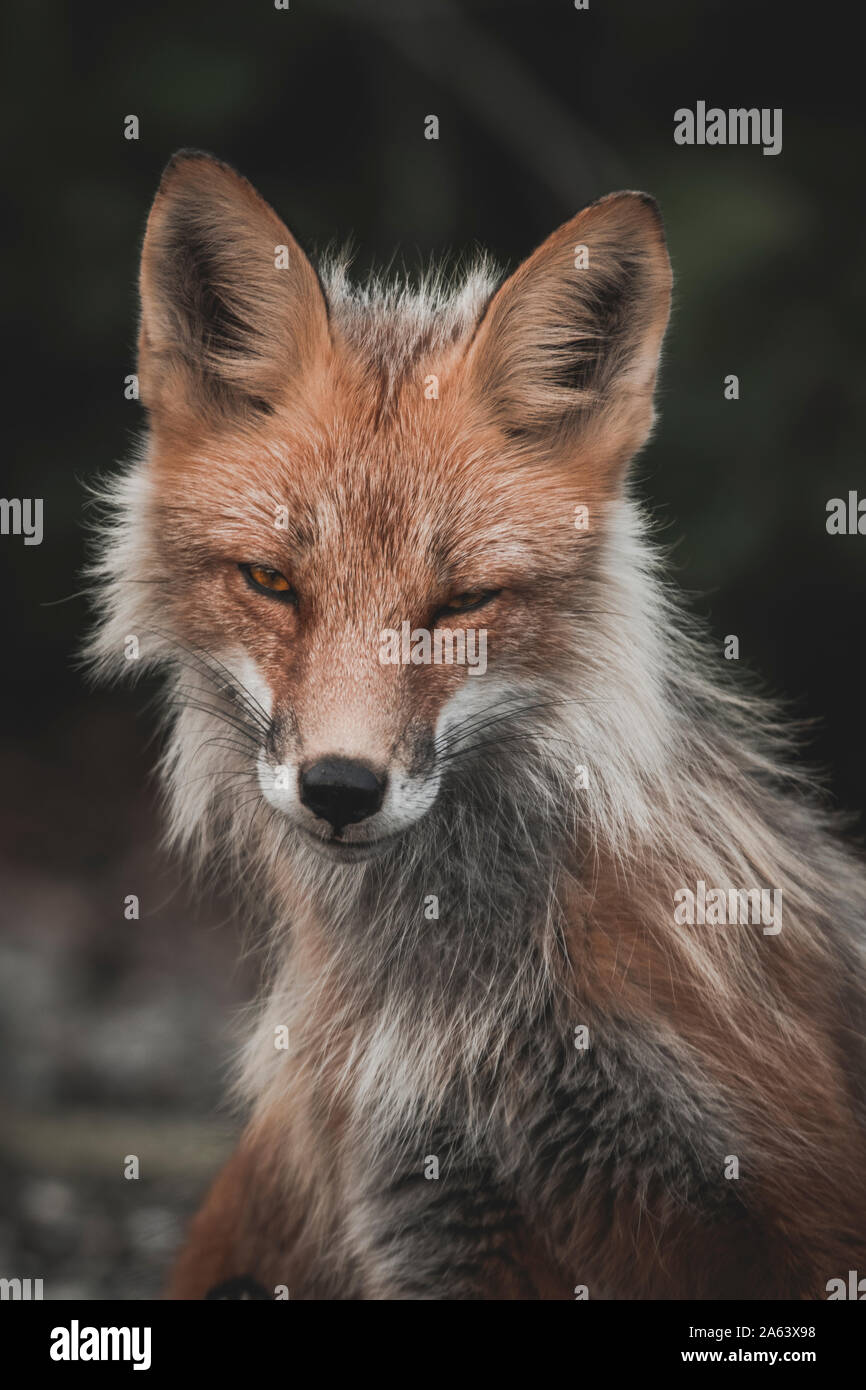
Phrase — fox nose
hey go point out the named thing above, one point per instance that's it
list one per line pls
(342, 791)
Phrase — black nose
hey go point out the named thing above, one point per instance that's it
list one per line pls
(341, 790)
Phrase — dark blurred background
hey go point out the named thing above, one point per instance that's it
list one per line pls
(116, 1033)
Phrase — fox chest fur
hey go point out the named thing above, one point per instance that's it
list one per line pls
(483, 1118)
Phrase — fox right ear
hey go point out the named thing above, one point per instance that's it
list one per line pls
(232, 312)
(568, 348)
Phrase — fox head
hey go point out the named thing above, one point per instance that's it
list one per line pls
(366, 532)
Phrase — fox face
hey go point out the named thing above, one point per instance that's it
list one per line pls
(355, 533)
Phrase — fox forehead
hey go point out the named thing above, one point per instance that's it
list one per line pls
(450, 502)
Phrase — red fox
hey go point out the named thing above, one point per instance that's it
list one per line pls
(530, 1028)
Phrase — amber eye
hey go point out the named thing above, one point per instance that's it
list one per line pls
(268, 581)
(466, 602)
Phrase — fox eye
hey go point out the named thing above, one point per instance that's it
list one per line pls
(265, 580)
(467, 601)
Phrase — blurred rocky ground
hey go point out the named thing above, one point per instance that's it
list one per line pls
(116, 1035)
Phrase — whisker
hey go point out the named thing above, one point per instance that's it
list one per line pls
(209, 664)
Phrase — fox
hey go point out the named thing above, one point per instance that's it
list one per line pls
(490, 1060)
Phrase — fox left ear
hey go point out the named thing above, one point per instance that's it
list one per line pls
(568, 348)
(232, 312)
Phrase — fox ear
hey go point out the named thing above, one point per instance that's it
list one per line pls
(568, 348)
(232, 312)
